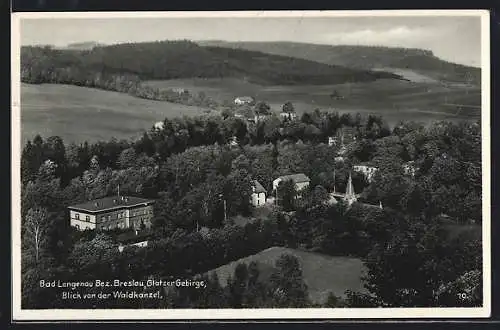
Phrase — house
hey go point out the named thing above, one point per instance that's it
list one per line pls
(111, 213)
(138, 238)
(159, 125)
(366, 170)
(332, 140)
(301, 181)
(233, 142)
(258, 118)
(241, 100)
(288, 115)
(258, 197)
(179, 91)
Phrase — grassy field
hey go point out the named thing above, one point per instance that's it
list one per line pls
(421, 100)
(78, 113)
(323, 274)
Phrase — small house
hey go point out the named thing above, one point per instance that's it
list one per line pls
(288, 115)
(366, 170)
(258, 197)
(301, 181)
(241, 100)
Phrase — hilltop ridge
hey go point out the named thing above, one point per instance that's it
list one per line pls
(364, 57)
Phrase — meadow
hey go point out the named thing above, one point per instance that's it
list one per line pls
(420, 100)
(79, 113)
(323, 274)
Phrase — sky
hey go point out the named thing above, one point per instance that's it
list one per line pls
(452, 38)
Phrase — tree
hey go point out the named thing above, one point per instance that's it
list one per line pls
(35, 232)
(287, 283)
(288, 108)
(127, 158)
(262, 109)
(319, 195)
(286, 194)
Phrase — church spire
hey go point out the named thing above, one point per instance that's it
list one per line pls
(349, 192)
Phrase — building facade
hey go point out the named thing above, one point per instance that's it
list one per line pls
(366, 170)
(112, 213)
(258, 197)
(244, 100)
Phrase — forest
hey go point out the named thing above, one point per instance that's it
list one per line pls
(123, 68)
(414, 250)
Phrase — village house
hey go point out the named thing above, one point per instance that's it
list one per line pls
(288, 115)
(366, 170)
(301, 181)
(179, 91)
(111, 213)
(241, 100)
(258, 197)
(159, 125)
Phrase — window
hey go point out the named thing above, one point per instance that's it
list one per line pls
(103, 218)
(87, 218)
(109, 217)
(77, 227)
(119, 215)
(77, 216)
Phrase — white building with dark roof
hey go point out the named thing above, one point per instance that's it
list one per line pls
(241, 100)
(258, 197)
(112, 213)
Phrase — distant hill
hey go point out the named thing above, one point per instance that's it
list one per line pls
(364, 57)
(181, 59)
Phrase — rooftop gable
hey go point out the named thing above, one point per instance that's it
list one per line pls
(258, 187)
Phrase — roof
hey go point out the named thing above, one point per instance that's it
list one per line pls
(112, 202)
(258, 187)
(299, 177)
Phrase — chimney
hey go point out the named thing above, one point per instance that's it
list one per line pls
(123, 197)
(114, 201)
(136, 232)
(126, 199)
(96, 204)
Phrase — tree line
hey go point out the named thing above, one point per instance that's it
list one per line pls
(190, 170)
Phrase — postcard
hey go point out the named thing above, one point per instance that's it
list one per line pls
(250, 165)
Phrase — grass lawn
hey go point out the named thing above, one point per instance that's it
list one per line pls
(323, 274)
(79, 113)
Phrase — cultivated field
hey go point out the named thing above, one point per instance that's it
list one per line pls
(322, 274)
(421, 99)
(79, 113)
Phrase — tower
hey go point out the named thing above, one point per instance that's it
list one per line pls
(350, 195)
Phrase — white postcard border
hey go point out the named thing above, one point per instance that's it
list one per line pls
(19, 314)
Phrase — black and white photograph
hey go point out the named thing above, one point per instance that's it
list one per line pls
(250, 165)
